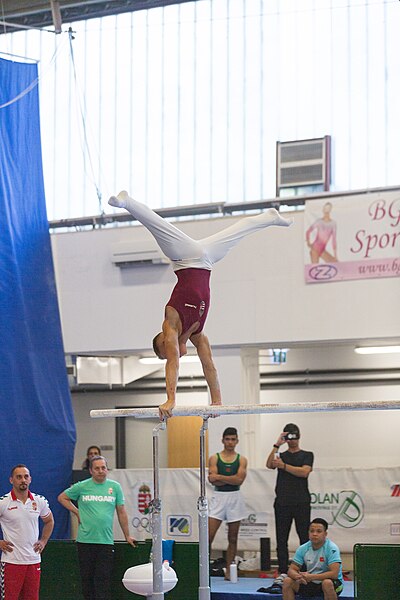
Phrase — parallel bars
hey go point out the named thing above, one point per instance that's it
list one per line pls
(202, 504)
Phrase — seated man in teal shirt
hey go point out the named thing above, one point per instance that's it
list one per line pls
(323, 566)
(98, 498)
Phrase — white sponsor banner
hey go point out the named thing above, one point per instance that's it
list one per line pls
(352, 237)
(360, 505)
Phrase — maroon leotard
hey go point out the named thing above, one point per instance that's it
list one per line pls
(191, 297)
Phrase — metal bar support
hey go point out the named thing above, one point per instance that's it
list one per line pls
(156, 519)
(202, 507)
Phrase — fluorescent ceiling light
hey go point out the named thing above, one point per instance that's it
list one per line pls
(153, 360)
(377, 349)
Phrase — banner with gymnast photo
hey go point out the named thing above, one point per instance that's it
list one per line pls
(352, 237)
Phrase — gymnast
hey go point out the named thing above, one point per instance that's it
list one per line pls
(325, 228)
(186, 310)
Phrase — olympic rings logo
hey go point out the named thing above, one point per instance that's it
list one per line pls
(142, 524)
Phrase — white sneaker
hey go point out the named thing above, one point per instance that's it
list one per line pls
(279, 580)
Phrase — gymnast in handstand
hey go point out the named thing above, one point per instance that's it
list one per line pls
(186, 310)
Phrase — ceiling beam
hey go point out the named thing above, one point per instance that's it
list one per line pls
(22, 14)
(56, 14)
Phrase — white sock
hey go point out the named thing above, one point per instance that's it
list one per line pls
(275, 218)
(120, 200)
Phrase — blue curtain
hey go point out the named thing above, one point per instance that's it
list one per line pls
(36, 420)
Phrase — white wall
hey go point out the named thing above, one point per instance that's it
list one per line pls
(258, 294)
(354, 439)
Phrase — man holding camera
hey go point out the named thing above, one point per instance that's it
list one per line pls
(293, 499)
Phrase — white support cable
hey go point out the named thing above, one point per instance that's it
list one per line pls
(84, 120)
(214, 411)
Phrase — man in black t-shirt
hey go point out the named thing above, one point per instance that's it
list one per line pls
(293, 499)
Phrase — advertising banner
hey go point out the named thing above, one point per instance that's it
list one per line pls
(360, 505)
(352, 237)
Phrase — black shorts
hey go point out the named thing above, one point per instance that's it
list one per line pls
(315, 589)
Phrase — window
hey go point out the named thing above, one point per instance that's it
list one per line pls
(184, 104)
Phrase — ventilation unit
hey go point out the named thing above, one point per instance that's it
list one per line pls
(303, 164)
(134, 254)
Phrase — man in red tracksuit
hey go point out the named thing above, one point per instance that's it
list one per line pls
(21, 545)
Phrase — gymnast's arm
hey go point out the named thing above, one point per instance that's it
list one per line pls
(171, 349)
(200, 341)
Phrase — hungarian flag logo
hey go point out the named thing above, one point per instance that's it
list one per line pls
(144, 499)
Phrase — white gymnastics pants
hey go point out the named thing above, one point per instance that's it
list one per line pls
(185, 252)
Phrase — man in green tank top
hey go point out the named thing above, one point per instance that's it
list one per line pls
(98, 499)
(226, 471)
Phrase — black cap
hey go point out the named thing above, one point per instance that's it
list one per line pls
(293, 429)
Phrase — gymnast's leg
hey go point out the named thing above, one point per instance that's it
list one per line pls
(174, 243)
(218, 245)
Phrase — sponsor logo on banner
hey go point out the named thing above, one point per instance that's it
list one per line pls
(179, 525)
(323, 272)
(395, 529)
(253, 526)
(141, 524)
(345, 508)
(395, 490)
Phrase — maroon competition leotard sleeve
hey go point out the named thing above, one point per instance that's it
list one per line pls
(191, 297)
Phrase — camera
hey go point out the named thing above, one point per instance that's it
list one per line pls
(291, 432)
(291, 436)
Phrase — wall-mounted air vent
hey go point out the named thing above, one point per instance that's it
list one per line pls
(303, 163)
(134, 254)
